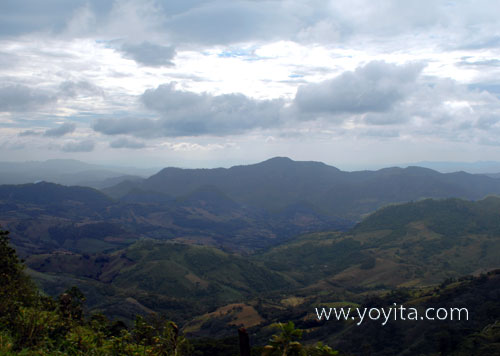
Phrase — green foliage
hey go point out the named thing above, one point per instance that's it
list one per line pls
(31, 324)
(16, 289)
(286, 343)
(71, 304)
(321, 350)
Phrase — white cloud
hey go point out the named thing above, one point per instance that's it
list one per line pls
(297, 71)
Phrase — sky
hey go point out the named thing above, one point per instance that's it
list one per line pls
(150, 83)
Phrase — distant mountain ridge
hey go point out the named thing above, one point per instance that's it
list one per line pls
(280, 182)
(68, 172)
(479, 167)
(239, 208)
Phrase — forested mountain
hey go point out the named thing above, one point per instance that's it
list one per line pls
(254, 245)
(409, 244)
(412, 245)
(278, 183)
(43, 217)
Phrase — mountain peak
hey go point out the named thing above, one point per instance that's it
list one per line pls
(277, 159)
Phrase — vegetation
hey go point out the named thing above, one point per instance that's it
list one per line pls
(411, 244)
(280, 183)
(415, 253)
(287, 343)
(33, 324)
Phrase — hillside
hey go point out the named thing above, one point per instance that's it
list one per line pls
(475, 332)
(409, 244)
(178, 280)
(44, 217)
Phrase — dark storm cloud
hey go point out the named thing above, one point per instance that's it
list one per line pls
(190, 114)
(150, 54)
(81, 146)
(20, 98)
(61, 130)
(126, 143)
(376, 87)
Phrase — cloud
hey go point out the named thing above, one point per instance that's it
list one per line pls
(20, 98)
(61, 130)
(71, 89)
(29, 133)
(126, 143)
(205, 23)
(23, 98)
(189, 146)
(388, 118)
(81, 146)
(150, 54)
(26, 16)
(480, 63)
(224, 22)
(375, 87)
(127, 125)
(183, 113)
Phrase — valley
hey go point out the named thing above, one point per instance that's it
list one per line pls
(213, 250)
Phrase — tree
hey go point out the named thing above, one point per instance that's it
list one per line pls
(16, 288)
(286, 342)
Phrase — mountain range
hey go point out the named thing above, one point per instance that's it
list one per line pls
(281, 183)
(215, 249)
(69, 172)
(240, 208)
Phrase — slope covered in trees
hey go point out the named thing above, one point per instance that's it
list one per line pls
(278, 183)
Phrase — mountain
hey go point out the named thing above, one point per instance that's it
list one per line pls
(405, 246)
(178, 280)
(480, 167)
(45, 217)
(276, 184)
(68, 172)
(53, 194)
(409, 244)
(475, 332)
(254, 245)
